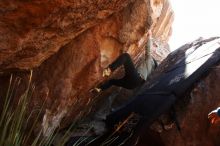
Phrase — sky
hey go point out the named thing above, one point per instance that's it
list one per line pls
(194, 19)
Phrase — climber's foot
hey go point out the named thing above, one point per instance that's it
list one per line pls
(96, 90)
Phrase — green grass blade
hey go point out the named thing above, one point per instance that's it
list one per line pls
(6, 102)
(5, 129)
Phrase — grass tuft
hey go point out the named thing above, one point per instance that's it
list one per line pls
(17, 124)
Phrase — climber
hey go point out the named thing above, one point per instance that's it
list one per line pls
(214, 116)
(133, 77)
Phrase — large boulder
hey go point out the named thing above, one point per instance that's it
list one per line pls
(193, 117)
(192, 111)
(67, 44)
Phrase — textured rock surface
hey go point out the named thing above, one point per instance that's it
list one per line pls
(192, 112)
(195, 126)
(68, 43)
(193, 118)
(32, 31)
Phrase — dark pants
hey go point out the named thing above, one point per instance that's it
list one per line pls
(131, 78)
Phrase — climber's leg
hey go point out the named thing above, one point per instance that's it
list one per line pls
(124, 59)
(109, 83)
(131, 79)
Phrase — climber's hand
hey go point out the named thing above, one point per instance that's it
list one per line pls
(106, 72)
(213, 117)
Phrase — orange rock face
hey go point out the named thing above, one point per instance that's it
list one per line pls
(32, 31)
(68, 43)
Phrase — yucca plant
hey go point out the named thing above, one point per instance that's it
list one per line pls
(16, 128)
(14, 119)
(17, 123)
